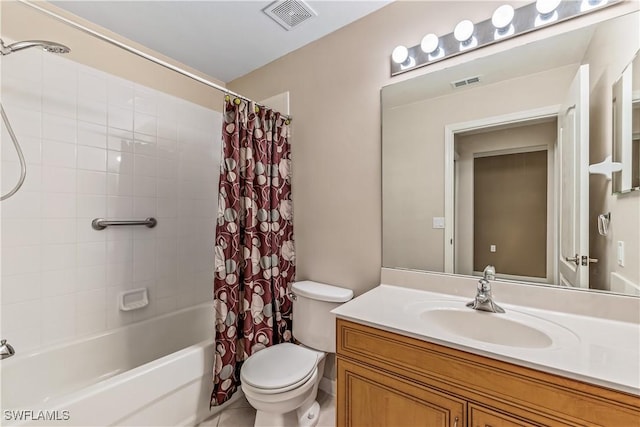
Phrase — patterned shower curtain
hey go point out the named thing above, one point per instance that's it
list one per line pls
(254, 252)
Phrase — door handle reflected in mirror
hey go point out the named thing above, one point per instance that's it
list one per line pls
(581, 260)
(575, 259)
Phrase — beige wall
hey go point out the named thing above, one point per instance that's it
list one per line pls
(335, 100)
(413, 185)
(604, 70)
(20, 22)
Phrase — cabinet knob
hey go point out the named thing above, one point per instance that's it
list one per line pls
(455, 422)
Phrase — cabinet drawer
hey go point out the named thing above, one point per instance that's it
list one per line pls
(485, 417)
(368, 398)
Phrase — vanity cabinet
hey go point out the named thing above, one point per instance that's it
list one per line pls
(486, 417)
(377, 399)
(387, 379)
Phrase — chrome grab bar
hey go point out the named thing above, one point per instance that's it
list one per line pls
(101, 223)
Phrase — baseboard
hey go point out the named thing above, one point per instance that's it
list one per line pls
(328, 386)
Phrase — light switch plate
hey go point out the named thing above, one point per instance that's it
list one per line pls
(438, 222)
(620, 253)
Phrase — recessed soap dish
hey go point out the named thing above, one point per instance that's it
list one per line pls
(134, 299)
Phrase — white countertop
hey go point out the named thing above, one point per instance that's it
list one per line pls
(605, 352)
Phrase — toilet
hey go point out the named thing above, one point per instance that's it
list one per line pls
(281, 381)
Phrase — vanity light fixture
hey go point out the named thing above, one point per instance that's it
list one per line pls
(502, 19)
(409, 63)
(430, 45)
(400, 54)
(506, 22)
(591, 4)
(547, 11)
(464, 34)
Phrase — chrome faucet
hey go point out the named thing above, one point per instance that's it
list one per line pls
(484, 299)
(6, 350)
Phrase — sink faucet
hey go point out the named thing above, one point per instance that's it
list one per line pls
(484, 300)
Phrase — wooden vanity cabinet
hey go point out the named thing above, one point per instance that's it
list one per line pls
(376, 399)
(388, 380)
(485, 417)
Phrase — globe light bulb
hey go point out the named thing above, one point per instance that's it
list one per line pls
(400, 54)
(502, 17)
(464, 31)
(546, 7)
(429, 43)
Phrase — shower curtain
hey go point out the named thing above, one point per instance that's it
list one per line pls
(254, 252)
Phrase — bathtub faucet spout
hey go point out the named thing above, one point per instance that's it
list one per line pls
(6, 350)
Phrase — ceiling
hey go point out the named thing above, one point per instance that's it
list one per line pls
(223, 39)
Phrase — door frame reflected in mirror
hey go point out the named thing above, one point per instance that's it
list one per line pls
(624, 100)
(520, 117)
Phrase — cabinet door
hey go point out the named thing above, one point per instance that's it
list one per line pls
(485, 417)
(370, 398)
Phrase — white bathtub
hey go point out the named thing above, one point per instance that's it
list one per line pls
(156, 372)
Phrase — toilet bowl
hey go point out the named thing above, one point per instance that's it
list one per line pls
(282, 385)
(281, 382)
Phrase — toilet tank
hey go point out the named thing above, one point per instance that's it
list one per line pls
(313, 323)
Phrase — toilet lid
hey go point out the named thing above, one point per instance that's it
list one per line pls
(279, 366)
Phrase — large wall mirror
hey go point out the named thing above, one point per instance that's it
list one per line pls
(495, 170)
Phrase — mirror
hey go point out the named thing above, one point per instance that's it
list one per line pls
(465, 147)
(626, 128)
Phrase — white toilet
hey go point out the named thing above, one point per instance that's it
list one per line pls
(281, 381)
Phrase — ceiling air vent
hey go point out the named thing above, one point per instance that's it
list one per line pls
(289, 13)
(465, 82)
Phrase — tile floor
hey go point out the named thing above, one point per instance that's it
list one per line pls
(241, 414)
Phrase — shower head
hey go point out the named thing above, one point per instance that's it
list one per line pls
(48, 46)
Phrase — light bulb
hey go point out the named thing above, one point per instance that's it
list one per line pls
(400, 54)
(547, 12)
(587, 5)
(464, 31)
(409, 63)
(502, 17)
(546, 7)
(429, 43)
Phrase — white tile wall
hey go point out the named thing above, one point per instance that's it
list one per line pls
(100, 146)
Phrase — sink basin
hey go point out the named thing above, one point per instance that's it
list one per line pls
(487, 327)
(511, 329)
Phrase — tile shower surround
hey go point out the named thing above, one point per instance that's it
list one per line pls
(100, 146)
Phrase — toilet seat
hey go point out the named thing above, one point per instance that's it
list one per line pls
(279, 368)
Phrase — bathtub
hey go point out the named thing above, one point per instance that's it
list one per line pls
(152, 373)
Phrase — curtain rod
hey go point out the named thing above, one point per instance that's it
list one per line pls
(138, 52)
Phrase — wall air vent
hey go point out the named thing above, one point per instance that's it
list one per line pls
(289, 13)
(465, 82)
